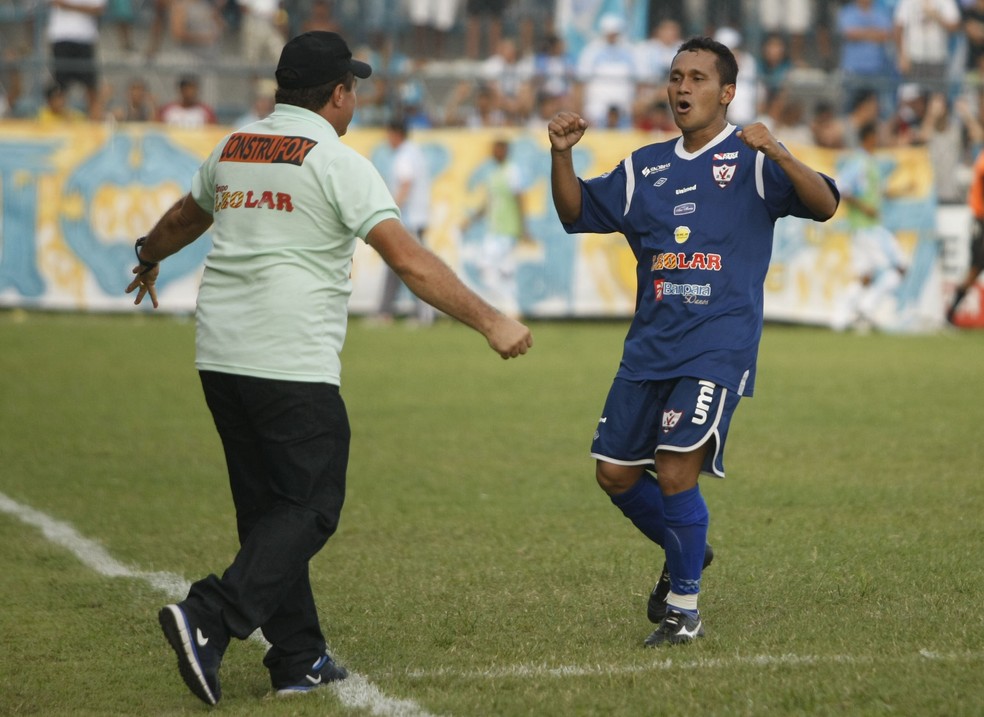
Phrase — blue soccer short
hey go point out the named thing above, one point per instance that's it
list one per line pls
(641, 417)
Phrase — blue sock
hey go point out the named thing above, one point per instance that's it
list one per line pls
(686, 537)
(643, 505)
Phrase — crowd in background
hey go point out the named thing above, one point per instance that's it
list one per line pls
(815, 71)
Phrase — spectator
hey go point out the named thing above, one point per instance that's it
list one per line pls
(409, 181)
(922, 34)
(865, 31)
(321, 16)
(121, 13)
(197, 26)
(773, 61)
(552, 69)
(431, 21)
(262, 29)
(73, 34)
(745, 106)
(138, 105)
(657, 51)
(483, 15)
(56, 109)
(866, 109)
(534, 21)
(263, 103)
(607, 71)
(788, 18)
(973, 27)
(826, 127)
(944, 131)
(158, 28)
(482, 111)
(187, 111)
(510, 80)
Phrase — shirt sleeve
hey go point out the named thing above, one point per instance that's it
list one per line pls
(362, 199)
(603, 202)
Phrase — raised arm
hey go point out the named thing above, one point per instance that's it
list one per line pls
(565, 130)
(811, 188)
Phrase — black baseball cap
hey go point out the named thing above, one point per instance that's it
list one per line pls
(315, 58)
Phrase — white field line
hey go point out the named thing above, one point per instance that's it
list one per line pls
(356, 692)
(668, 664)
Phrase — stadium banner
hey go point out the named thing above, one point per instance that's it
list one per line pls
(73, 200)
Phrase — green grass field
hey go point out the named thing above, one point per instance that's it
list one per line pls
(478, 570)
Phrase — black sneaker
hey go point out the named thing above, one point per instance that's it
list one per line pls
(677, 628)
(656, 609)
(199, 655)
(323, 671)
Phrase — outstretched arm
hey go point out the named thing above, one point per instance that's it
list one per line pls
(433, 281)
(811, 188)
(180, 225)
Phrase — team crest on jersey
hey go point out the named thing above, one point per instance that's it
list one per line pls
(724, 173)
(671, 419)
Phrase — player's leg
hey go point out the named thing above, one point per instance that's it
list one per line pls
(691, 443)
(623, 446)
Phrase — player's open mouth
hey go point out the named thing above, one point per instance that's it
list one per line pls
(683, 106)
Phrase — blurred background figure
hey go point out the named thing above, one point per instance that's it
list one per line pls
(187, 111)
(975, 201)
(502, 208)
(138, 104)
(431, 22)
(263, 103)
(607, 72)
(483, 18)
(409, 179)
(73, 38)
(56, 109)
(878, 261)
(262, 30)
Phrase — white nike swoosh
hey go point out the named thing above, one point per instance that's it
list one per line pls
(200, 638)
(312, 680)
(689, 633)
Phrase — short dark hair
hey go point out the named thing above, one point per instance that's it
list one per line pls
(727, 65)
(312, 98)
(867, 129)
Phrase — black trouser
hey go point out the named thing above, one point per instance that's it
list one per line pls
(286, 446)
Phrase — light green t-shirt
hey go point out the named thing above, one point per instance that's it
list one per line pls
(288, 201)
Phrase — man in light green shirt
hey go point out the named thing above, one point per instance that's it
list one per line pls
(286, 201)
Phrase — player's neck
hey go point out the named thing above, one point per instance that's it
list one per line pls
(695, 140)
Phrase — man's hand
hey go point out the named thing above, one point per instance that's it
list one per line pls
(146, 281)
(566, 130)
(509, 338)
(758, 137)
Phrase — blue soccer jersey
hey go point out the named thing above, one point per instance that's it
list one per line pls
(700, 225)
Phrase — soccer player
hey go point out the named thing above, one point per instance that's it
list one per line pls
(698, 212)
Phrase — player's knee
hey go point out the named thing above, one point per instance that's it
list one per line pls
(616, 479)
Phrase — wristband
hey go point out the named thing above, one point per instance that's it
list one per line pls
(147, 265)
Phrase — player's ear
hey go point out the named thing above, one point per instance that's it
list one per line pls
(727, 94)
